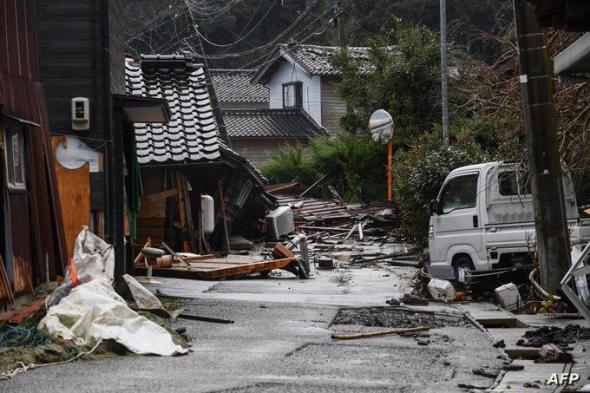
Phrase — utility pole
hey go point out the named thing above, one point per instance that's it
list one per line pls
(536, 90)
(444, 71)
(339, 15)
(208, 79)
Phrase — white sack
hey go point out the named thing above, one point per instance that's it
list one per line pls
(93, 311)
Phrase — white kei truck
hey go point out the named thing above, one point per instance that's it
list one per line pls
(483, 219)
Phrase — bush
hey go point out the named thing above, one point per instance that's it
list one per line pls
(354, 165)
(418, 175)
(289, 164)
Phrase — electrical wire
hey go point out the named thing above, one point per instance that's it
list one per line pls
(264, 46)
(242, 38)
(268, 59)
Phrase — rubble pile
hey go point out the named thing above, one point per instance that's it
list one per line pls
(398, 317)
(554, 335)
(349, 233)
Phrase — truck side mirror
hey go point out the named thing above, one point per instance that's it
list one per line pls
(433, 207)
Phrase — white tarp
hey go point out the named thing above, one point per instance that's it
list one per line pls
(93, 311)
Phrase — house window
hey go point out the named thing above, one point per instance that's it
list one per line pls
(14, 154)
(292, 96)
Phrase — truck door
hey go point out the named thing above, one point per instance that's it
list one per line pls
(458, 222)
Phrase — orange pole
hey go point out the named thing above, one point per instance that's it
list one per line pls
(389, 171)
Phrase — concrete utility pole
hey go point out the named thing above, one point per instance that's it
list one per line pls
(339, 11)
(552, 236)
(208, 79)
(444, 71)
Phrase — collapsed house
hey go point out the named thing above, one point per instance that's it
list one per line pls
(184, 163)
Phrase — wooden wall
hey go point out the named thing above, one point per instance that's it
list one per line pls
(70, 46)
(35, 241)
(260, 151)
(333, 107)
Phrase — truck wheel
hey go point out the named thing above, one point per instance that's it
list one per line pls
(462, 266)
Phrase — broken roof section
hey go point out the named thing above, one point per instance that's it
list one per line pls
(271, 123)
(314, 60)
(192, 134)
(233, 86)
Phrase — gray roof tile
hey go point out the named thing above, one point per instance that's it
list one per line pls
(270, 123)
(317, 59)
(192, 134)
(233, 86)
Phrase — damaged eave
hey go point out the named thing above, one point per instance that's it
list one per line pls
(17, 119)
(574, 61)
(143, 109)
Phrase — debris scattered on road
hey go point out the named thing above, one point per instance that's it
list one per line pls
(441, 290)
(513, 367)
(551, 353)
(554, 335)
(204, 319)
(486, 372)
(508, 296)
(413, 300)
(398, 317)
(500, 344)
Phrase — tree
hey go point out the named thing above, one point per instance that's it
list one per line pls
(404, 81)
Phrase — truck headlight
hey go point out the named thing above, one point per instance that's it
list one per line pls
(431, 232)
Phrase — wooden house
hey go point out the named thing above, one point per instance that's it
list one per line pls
(82, 67)
(32, 249)
(302, 77)
(256, 131)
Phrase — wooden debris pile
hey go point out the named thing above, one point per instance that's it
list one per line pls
(349, 233)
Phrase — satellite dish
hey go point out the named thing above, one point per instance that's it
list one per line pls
(381, 126)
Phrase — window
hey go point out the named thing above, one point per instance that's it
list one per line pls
(459, 193)
(513, 183)
(292, 96)
(15, 159)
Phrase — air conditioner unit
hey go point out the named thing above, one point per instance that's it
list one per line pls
(280, 222)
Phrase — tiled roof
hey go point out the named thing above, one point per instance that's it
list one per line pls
(192, 134)
(316, 60)
(233, 86)
(270, 123)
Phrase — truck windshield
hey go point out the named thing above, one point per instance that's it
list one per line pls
(459, 193)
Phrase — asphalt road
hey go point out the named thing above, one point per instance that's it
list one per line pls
(280, 342)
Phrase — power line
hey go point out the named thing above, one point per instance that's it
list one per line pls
(242, 38)
(268, 58)
(268, 44)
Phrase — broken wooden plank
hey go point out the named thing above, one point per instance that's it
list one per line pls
(378, 333)
(282, 187)
(23, 312)
(327, 229)
(206, 270)
(204, 319)
(281, 250)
